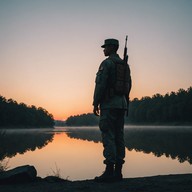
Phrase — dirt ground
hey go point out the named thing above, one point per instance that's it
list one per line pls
(168, 183)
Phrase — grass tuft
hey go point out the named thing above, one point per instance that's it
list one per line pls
(56, 172)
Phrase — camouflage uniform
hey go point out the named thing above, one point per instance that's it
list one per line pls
(112, 109)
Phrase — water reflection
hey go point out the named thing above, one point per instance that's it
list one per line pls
(19, 142)
(172, 142)
(77, 152)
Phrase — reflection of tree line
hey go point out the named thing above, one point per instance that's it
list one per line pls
(13, 143)
(174, 143)
(171, 142)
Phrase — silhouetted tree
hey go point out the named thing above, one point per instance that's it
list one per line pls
(13, 114)
(175, 107)
(82, 120)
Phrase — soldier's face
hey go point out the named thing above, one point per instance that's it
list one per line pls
(107, 50)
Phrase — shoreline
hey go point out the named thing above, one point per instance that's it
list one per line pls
(131, 124)
(159, 183)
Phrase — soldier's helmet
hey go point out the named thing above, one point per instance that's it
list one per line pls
(110, 42)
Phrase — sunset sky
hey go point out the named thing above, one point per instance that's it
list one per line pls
(50, 50)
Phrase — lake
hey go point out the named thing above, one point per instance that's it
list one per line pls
(76, 152)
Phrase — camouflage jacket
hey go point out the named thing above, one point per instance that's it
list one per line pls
(104, 78)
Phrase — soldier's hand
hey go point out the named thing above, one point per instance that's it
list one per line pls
(96, 110)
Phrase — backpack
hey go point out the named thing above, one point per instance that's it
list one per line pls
(122, 85)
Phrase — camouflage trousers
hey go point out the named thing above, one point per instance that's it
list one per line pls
(112, 130)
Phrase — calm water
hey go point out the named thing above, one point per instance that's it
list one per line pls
(76, 152)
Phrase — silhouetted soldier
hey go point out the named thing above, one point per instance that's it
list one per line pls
(113, 84)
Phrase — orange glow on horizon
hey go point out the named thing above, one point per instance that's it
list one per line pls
(51, 60)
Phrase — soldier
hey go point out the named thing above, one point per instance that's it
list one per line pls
(111, 107)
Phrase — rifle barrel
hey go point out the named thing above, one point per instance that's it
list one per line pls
(125, 56)
(126, 40)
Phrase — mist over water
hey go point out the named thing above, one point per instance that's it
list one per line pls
(77, 151)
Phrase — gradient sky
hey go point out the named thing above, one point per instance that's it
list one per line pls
(50, 49)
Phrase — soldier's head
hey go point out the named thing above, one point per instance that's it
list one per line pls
(110, 46)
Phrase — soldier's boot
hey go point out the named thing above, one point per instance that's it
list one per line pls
(108, 175)
(118, 172)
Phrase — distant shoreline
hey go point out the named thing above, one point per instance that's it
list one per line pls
(20, 127)
(131, 124)
(137, 124)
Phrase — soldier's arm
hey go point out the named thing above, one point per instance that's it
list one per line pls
(101, 83)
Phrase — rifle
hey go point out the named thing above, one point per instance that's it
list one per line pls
(125, 58)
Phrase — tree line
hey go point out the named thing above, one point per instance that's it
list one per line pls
(171, 108)
(175, 107)
(13, 114)
(88, 119)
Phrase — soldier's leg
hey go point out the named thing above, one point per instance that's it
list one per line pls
(120, 145)
(119, 139)
(107, 128)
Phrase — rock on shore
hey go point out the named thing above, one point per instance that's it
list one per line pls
(20, 174)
